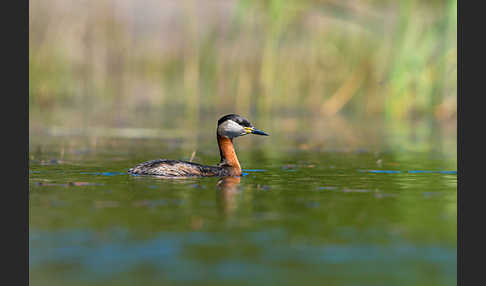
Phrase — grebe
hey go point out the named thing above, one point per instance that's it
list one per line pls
(229, 126)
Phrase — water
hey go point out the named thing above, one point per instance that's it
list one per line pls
(296, 217)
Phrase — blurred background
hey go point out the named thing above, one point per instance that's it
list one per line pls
(313, 73)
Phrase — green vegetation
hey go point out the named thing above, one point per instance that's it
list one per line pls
(391, 60)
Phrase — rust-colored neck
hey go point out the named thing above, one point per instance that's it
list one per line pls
(228, 155)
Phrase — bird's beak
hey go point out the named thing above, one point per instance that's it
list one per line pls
(253, 130)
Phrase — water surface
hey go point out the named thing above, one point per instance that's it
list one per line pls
(304, 217)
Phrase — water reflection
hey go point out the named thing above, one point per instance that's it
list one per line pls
(228, 189)
(307, 215)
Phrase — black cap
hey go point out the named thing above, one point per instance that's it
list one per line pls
(236, 118)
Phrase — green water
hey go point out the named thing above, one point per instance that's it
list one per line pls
(299, 216)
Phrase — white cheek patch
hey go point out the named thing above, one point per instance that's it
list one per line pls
(231, 129)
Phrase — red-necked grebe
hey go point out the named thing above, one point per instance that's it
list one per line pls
(229, 126)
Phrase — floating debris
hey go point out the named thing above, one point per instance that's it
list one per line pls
(197, 186)
(69, 184)
(197, 223)
(263, 187)
(440, 172)
(192, 156)
(105, 173)
(313, 204)
(289, 166)
(84, 184)
(382, 195)
(47, 162)
(430, 194)
(356, 191)
(327, 188)
(144, 203)
(379, 162)
(161, 202)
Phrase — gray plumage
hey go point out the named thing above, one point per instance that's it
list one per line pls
(176, 168)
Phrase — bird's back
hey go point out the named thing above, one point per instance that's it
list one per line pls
(176, 168)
